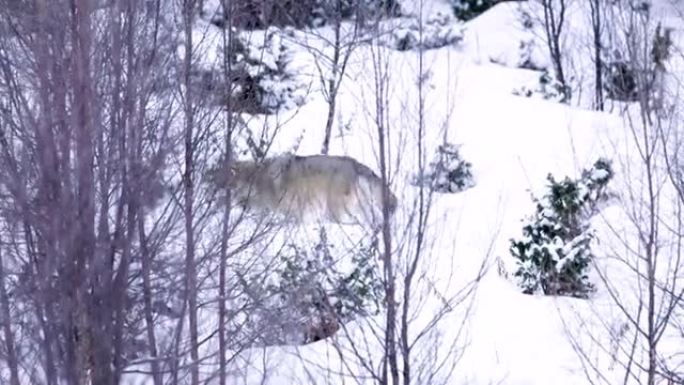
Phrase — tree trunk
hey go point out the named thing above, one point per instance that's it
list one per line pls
(84, 240)
(388, 268)
(226, 204)
(333, 83)
(146, 259)
(553, 26)
(598, 61)
(11, 353)
(189, 193)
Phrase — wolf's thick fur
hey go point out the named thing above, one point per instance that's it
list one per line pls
(339, 187)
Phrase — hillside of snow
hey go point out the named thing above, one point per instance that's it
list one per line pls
(491, 333)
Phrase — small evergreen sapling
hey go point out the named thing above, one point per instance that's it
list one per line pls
(469, 9)
(407, 33)
(448, 172)
(263, 79)
(546, 87)
(315, 294)
(555, 252)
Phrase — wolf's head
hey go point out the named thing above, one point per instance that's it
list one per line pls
(240, 177)
(222, 176)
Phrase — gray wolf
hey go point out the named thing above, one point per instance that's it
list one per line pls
(337, 188)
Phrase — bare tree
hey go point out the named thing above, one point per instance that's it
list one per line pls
(390, 359)
(342, 45)
(73, 141)
(554, 21)
(227, 43)
(189, 104)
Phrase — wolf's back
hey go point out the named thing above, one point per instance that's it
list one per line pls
(338, 186)
(346, 173)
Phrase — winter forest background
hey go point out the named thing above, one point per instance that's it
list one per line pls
(535, 148)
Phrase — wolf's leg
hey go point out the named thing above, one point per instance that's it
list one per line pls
(336, 204)
(365, 204)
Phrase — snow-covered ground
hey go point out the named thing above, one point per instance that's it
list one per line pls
(513, 142)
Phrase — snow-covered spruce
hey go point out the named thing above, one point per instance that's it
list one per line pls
(546, 87)
(267, 82)
(438, 30)
(468, 9)
(448, 172)
(262, 14)
(554, 253)
(263, 81)
(312, 291)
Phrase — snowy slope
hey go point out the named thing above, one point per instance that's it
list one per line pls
(513, 142)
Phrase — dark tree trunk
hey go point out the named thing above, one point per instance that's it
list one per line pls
(189, 193)
(10, 350)
(598, 61)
